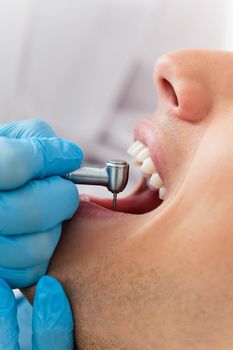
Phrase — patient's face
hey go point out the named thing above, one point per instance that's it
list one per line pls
(160, 276)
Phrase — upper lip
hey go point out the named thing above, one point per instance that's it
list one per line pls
(149, 133)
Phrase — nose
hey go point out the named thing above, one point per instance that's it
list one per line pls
(183, 86)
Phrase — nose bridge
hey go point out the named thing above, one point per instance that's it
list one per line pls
(182, 80)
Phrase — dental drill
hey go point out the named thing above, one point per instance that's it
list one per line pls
(114, 176)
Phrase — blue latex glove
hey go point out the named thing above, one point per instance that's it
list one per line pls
(34, 200)
(52, 322)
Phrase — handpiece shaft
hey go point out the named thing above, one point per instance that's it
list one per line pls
(89, 176)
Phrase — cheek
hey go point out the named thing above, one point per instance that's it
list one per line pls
(208, 187)
(181, 142)
(195, 235)
(200, 218)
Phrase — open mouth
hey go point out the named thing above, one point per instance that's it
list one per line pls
(149, 194)
(141, 201)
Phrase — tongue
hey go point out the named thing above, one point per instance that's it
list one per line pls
(137, 203)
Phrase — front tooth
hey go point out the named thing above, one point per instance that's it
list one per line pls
(132, 147)
(148, 167)
(162, 193)
(143, 155)
(156, 181)
(136, 148)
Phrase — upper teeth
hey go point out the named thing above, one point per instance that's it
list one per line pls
(136, 148)
(148, 167)
(141, 155)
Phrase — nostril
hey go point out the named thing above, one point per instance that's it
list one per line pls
(183, 86)
(169, 92)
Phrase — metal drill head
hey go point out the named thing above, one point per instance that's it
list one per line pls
(118, 175)
(114, 201)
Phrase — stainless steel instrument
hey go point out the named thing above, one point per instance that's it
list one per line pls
(114, 176)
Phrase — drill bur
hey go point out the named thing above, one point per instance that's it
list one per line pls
(114, 201)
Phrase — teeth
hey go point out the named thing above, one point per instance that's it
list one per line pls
(132, 147)
(141, 156)
(162, 193)
(148, 167)
(136, 148)
(156, 181)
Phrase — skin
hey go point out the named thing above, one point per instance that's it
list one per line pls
(164, 279)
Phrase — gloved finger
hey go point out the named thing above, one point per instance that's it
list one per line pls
(38, 206)
(9, 331)
(25, 251)
(27, 128)
(24, 277)
(52, 322)
(22, 160)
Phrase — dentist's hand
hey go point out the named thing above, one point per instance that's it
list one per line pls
(52, 322)
(34, 199)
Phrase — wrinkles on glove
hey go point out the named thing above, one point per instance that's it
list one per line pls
(27, 128)
(22, 160)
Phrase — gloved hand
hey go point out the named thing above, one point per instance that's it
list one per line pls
(34, 200)
(52, 321)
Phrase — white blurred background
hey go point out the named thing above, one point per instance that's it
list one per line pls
(86, 66)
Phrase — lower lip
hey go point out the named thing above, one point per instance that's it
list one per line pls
(90, 209)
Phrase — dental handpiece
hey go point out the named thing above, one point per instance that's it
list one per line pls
(114, 176)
